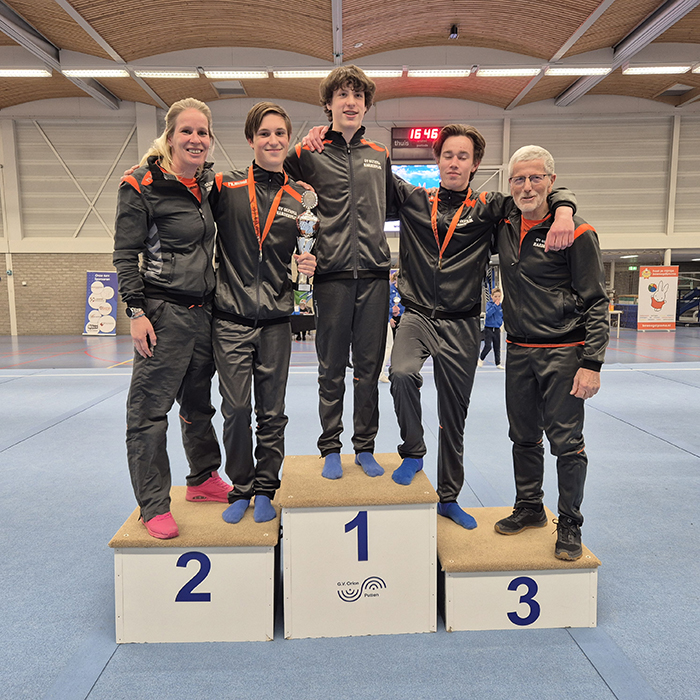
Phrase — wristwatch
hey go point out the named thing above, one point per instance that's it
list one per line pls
(134, 312)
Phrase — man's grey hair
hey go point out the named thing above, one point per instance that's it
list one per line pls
(532, 153)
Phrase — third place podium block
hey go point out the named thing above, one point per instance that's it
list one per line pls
(494, 581)
(359, 552)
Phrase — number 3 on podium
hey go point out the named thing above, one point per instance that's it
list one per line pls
(528, 598)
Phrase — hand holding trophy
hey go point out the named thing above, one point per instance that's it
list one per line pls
(307, 223)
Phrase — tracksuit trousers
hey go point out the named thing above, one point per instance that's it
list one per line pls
(538, 386)
(181, 369)
(253, 361)
(350, 313)
(454, 346)
(492, 337)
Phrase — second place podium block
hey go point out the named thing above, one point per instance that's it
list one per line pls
(359, 552)
(212, 583)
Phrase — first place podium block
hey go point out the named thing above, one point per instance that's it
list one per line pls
(494, 581)
(212, 583)
(359, 552)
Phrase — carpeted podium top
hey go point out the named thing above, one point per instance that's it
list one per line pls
(304, 487)
(200, 525)
(483, 549)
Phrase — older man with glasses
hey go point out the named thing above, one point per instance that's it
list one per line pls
(555, 314)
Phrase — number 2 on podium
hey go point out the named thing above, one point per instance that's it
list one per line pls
(359, 522)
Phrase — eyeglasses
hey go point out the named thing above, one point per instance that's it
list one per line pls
(534, 179)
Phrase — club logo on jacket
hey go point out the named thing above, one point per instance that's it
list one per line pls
(289, 213)
(369, 163)
(466, 220)
(539, 243)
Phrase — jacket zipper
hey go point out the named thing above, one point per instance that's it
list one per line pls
(259, 267)
(353, 215)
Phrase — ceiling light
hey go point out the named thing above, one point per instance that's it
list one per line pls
(235, 74)
(507, 72)
(624, 257)
(694, 259)
(358, 45)
(454, 32)
(96, 73)
(389, 73)
(562, 70)
(24, 73)
(167, 73)
(696, 69)
(654, 70)
(440, 73)
(301, 73)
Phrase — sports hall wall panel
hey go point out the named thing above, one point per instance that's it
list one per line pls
(52, 302)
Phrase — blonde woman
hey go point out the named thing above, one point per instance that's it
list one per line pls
(164, 216)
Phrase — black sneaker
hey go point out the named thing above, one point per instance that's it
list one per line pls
(521, 519)
(568, 539)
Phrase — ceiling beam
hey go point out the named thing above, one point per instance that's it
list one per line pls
(585, 26)
(337, 18)
(108, 49)
(654, 26)
(14, 26)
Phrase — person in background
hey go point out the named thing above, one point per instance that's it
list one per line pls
(395, 312)
(304, 310)
(164, 216)
(492, 328)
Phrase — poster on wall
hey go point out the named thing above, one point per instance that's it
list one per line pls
(101, 304)
(658, 292)
(303, 302)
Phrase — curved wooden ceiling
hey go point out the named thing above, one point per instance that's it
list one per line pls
(539, 31)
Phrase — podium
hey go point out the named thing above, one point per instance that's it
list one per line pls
(494, 581)
(212, 583)
(359, 553)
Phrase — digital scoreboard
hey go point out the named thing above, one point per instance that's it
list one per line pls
(413, 142)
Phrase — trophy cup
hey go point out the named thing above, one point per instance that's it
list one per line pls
(307, 223)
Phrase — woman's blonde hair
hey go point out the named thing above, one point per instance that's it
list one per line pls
(160, 147)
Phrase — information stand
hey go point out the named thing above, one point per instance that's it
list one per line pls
(494, 581)
(212, 583)
(359, 553)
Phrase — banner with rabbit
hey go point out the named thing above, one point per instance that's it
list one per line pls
(658, 295)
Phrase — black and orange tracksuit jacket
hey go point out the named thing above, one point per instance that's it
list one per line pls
(253, 285)
(158, 217)
(350, 178)
(452, 289)
(556, 298)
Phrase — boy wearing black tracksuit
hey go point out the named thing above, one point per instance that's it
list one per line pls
(352, 177)
(256, 213)
(446, 238)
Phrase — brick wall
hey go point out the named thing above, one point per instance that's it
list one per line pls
(53, 300)
(4, 302)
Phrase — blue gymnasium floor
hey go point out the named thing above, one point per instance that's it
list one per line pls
(66, 491)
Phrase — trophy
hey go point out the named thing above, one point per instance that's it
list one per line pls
(307, 223)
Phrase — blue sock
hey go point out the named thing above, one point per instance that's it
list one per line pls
(332, 469)
(264, 510)
(236, 511)
(408, 469)
(454, 512)
(368, 463)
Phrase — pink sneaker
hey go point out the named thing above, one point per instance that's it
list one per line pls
(163, 526)
(213, 489)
